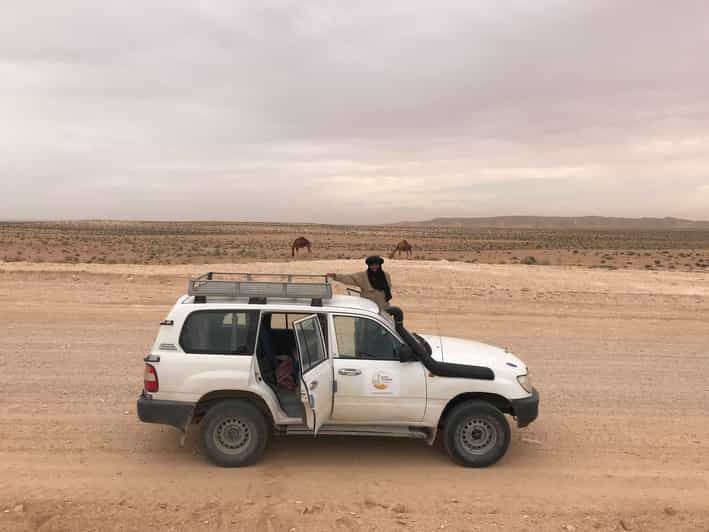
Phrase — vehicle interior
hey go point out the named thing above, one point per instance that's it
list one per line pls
(278, 358)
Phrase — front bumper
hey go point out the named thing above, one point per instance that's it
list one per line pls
(174, 413)
(526, 410)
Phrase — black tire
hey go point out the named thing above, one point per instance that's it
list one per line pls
(476, 434)
(233, 433)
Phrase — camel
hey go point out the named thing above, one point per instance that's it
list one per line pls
(300, 242)
(404, 247)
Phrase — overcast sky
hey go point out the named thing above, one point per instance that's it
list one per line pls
(346, 112)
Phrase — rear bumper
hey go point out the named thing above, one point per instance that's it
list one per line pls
(526, 410)
(174, 413)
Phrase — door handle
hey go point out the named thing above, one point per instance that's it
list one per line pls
(313, 385)
(349, 371)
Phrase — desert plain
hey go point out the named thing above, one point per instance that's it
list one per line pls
(616, 342)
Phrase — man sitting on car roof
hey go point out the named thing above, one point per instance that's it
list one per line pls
(374, 283)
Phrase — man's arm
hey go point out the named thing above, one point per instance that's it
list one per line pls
(345, 278)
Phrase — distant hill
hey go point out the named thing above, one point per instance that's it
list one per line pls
(562, 222)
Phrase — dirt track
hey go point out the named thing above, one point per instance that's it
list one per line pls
(622, 442)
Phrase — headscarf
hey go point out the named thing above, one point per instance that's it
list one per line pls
(377, 279)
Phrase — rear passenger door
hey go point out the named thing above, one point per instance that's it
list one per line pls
(315, 372)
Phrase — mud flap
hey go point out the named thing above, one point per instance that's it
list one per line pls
(430, 440)
(185, 428)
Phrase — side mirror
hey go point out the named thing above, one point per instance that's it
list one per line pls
(406, 354)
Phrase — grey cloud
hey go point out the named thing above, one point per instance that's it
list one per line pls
(386, 112)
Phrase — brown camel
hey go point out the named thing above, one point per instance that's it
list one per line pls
(402, 247)
(300, 242)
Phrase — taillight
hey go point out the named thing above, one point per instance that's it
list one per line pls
(150, 379)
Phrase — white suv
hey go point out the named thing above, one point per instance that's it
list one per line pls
(248, 355)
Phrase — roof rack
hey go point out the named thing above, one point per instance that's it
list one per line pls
(260, 286)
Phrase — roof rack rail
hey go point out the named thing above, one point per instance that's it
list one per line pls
(257, 287)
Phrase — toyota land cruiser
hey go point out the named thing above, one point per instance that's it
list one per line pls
(245, 356)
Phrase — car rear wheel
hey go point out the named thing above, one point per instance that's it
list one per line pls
(233, 433)
(476, 434)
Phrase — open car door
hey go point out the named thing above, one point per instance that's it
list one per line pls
(316, 372)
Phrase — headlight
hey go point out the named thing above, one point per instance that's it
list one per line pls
(526, 383)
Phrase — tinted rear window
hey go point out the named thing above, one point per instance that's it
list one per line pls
(220, 332)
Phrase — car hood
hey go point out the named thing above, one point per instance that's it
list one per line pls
(472, 353)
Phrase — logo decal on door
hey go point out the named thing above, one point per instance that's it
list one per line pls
(381, 380)
(383, 383)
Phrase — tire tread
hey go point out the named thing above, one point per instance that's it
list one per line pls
(245, 410)
(464, 410)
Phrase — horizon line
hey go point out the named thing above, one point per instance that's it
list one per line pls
(401, 222)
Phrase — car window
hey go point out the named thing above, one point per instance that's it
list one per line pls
(309, 344)
(282, 320)
(364, 338)
(220, 332)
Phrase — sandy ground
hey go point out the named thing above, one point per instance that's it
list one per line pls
(622, 442)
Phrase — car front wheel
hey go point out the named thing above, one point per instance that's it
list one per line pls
(476, 434)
